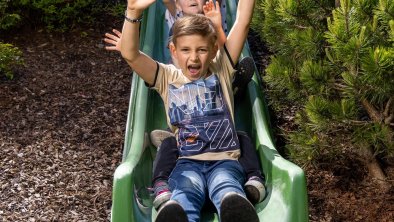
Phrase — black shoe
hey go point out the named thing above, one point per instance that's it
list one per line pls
(236, 208)
(255, 190)
(171, 211)
(243, 75)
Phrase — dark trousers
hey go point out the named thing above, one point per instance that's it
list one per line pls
(167, 156)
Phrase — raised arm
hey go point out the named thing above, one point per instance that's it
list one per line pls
(142, 64)
(237, 36)
(213, 13)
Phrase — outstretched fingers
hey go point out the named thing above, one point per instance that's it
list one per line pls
(208, 7)
(113, 40)
(117, 32)
(213, 13)
(109, 38)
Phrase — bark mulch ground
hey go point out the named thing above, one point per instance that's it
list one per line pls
(62, 121)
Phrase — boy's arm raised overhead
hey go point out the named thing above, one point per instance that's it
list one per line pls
(212, 11)
(142, 64)
(238, 33)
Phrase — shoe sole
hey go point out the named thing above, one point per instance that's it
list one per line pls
(244, 74)
(171, 212)
(236, 208)
(252, 194)
(255, 191)
(157, 137)
(161, 199)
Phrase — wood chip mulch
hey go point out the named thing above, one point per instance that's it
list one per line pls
(62, 122)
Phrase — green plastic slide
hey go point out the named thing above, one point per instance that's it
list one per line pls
(286, 185)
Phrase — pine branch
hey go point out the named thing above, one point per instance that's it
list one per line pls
(388, 106)
(357, 122)
(372, 112)
(301, 27)
(340, 86)
(327, 10)
(347, 21)
(388, 112)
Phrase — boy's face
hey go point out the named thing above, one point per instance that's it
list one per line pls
(190, 7)
(194, 53)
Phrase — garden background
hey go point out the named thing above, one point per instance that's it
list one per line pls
(328, 74)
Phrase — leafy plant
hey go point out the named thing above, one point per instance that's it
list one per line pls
(7, 19)
(336, 63)
(10, 57)
(59, 15)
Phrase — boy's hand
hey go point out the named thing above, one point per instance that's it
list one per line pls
(139, 4)
(113, 40)
(212, 11)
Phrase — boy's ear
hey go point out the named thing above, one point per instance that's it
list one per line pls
(172, 49)
(214, 50)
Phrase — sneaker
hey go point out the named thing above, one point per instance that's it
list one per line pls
(243, 75)
(162, 193)
(236, 208)
(171, 211)
(157, 136)
(255, 190)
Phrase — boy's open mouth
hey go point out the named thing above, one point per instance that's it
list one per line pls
(193, 69)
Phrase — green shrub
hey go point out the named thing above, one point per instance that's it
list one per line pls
(7, 19)
(10, 57)
(62, 15)
(59, 15)
(336, 64)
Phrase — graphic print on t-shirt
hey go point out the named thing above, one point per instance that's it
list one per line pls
(200, 112)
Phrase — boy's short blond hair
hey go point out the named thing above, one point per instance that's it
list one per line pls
(194, 25)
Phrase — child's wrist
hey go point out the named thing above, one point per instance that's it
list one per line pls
(133, 16)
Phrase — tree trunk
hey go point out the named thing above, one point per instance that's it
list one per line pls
(375, 170)
(373, 166)
(372, 112)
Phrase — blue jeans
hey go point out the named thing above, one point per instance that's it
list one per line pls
(192, 181)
